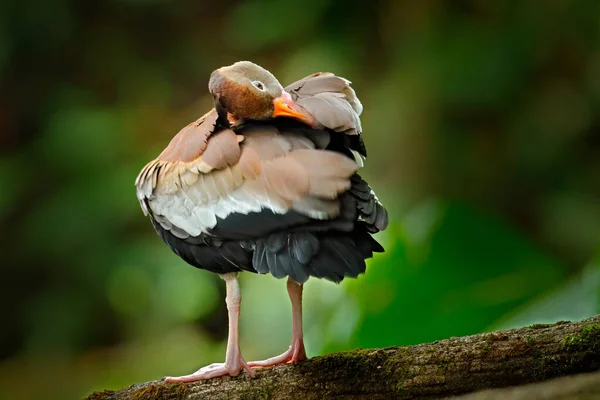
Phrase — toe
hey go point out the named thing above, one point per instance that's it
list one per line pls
(232, 368)
(247, 368)
(184, 378)
(269, 362)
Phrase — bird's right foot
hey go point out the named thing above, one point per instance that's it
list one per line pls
(295, 354)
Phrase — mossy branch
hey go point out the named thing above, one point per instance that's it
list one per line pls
(573, 387)
(445, 368)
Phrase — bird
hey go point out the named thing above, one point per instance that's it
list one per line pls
(266, 182)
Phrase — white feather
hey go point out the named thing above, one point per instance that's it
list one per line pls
(179, 210)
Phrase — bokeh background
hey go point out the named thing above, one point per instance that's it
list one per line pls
(482, 121)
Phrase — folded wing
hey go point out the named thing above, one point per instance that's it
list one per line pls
(260, 169)
(334, 105)
(330, 100)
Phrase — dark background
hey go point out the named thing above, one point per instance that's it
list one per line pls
(482, 121)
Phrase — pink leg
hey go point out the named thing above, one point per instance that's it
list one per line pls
(296, 351)
(234, 363)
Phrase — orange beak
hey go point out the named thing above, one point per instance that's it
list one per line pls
(285, 107)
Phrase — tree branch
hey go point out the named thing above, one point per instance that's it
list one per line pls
(444, 368)
(575, 387)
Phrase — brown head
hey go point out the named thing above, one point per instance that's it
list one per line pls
(246, 91)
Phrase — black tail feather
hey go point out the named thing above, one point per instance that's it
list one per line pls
(369, 207)
(320, 254)
(259, 258)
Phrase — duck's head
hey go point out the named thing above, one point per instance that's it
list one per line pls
(246, 91)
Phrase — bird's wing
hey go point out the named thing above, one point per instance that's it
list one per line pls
(246, 174)
(188, 146)
(333, 103)
(330, 100)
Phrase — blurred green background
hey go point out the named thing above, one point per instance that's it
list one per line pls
(482, 120)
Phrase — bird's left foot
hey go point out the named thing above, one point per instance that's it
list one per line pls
(232, 368)
(295, 354)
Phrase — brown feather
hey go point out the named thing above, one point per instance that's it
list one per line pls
(192, 140)
(284, 177)
(250, 164)
(329, 172)
(266, 141)
(330, 100)
(222, 150)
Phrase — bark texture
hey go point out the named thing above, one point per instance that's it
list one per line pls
(575, 387)
(428, 371)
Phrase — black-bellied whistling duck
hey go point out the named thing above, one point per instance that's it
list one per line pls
(266, 182)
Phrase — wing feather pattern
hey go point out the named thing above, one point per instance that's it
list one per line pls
(330, 100)
(256, 169)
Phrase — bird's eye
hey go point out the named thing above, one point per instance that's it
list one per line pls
(259, 85)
